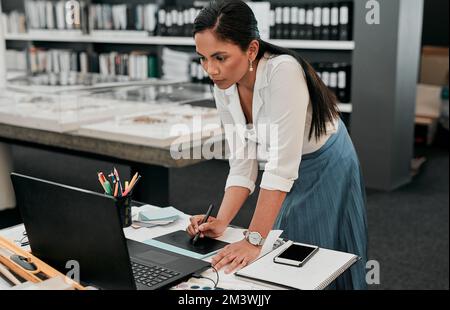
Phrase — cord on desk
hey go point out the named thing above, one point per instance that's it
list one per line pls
(199, 276)
(24, 240)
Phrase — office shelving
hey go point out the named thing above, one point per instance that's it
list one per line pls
(120, 39)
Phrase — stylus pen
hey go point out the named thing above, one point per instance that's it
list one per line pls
(205, 219)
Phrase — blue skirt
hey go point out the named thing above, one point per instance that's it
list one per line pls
(326, 206)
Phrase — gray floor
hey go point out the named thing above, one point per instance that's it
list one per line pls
(408, 228)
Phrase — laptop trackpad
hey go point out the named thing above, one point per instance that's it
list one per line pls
(156, 257)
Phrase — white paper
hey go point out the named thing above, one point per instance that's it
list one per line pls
(272, 237)
(13, 233)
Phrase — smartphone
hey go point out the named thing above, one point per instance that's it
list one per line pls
(296, 254)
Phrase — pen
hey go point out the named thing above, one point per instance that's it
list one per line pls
(205, 219)
(108, 187)
(114, 184)
(113, 179)
(101, 180)
(105, 183)
(116, 174)
(131, 186)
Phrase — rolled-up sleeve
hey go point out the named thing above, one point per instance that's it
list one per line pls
(242, 158)
(287, 108)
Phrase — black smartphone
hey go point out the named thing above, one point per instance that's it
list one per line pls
(296, 254)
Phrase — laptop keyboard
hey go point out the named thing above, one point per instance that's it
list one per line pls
(149, 275)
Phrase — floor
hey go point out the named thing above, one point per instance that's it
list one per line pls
(408, 228)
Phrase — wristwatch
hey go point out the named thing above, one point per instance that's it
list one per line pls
(254, 238)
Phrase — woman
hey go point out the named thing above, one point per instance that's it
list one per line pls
(277, 111)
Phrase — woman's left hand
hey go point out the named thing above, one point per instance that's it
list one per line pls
(238, 255)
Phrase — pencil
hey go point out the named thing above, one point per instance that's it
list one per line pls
(116, 189)
(116, 173)
(133, 179)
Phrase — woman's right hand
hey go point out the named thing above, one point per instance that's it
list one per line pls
(213, 228)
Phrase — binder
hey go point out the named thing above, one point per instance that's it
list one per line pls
(344, 90)
(309, 34)
(286, 22)
(162, 30)
(278, 22)
(319, 272)
(187, 23)
(301, 23)
(317, 29)
(169, 23)
(294, 23)
(344, 22)
(325, 32)
(333, 79)
(84, 11)
(272, 24)
(334, 21)
(130, 13)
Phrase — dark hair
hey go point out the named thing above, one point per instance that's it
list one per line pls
(234, 21)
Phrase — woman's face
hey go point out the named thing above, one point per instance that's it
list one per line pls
(225, 63)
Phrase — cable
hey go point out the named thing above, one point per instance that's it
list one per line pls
(199, 276)
(202, 277)
(217, 273)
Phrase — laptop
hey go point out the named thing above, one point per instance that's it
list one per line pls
(69, 227)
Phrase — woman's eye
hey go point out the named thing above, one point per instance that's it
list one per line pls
(220, 58)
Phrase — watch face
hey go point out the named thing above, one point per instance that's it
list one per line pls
(254, 238)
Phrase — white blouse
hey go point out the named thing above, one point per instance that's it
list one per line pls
(278, 137)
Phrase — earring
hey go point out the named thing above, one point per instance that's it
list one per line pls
(251, 66)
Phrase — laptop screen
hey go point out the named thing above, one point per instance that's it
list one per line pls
(76, 231)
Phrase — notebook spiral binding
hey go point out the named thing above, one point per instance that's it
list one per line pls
(336, 274)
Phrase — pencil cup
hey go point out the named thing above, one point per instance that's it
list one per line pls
(123, 204)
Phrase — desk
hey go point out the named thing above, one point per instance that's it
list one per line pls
(225, 281)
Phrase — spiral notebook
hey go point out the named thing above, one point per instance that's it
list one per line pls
(322, 269)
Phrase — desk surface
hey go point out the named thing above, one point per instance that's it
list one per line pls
(226, 281)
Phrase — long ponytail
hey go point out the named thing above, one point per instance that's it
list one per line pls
(323, 100)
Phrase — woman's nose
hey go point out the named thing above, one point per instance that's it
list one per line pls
(211, 70)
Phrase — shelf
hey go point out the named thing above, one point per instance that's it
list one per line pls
(345, 107)
(315, 44)
(135, 37)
